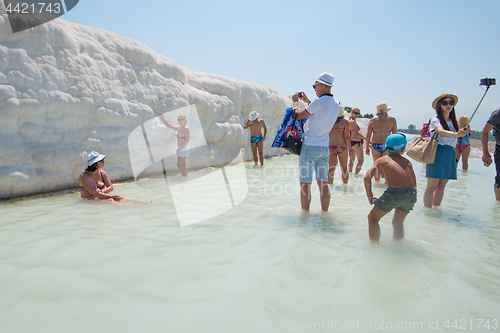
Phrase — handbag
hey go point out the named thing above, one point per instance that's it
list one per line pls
(293, 145)
(424, 148)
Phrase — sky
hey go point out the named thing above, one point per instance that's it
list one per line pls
(404, 53)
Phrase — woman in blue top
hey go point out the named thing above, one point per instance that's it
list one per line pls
(463, 144)
(444, 167)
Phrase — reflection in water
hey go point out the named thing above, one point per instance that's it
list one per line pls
(261, 266)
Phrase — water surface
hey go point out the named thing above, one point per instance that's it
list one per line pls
(70, 265)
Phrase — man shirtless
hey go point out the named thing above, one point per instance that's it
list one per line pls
(256, 139)
(401, 192)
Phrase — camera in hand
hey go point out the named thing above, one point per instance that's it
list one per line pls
(488, 82)
(301, 94)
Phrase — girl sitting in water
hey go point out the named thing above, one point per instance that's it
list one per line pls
(94, 182)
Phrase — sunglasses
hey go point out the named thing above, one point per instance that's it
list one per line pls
(184, 119)
(315, 85)
(445, 103)
(356, 113)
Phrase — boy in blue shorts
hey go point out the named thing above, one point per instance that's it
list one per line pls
(401, 192)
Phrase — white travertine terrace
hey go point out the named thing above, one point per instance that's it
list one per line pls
(67, 89)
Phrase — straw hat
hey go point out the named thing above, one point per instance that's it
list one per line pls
(342, 112)
(382, 108)
(444, 95)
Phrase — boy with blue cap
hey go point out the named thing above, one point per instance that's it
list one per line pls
(401, 192)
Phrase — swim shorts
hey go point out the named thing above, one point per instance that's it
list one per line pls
(255, 139)
(400, 198)
(380, 147)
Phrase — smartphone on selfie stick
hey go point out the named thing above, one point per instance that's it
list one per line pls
(488, 82)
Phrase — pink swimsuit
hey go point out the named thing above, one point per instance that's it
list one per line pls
(337, 149)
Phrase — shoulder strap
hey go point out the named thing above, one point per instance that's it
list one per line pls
(429, 124)
(435, 134)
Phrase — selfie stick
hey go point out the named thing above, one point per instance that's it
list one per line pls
(489, 83)
(478, 104)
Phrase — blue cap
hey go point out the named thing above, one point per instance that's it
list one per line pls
(395, 142)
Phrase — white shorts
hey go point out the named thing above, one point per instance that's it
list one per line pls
(184, 152)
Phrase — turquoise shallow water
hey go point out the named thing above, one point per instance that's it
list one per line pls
(69, 265)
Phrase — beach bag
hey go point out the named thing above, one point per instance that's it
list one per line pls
(424, 148)
(292, 143)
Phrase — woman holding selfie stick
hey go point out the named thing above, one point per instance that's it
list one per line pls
(444, 168)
